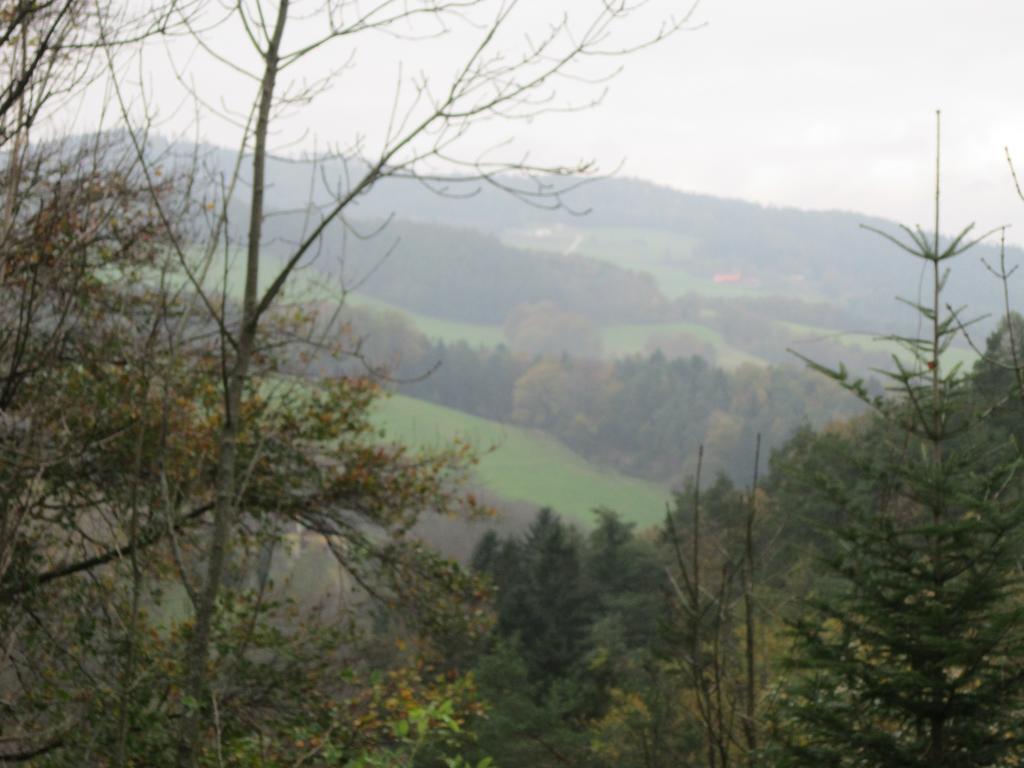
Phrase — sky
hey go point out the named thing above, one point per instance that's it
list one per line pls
(818, 104)
(830, 104)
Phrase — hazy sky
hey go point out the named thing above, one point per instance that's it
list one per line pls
(811, 103)
(830, 104)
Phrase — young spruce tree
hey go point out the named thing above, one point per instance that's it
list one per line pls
(913, 655)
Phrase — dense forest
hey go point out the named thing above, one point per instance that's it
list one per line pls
(645, 415)
(218, 548)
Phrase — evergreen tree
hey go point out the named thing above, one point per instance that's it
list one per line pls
(530, 677)
(625, 577)
(571, 673)
(542, 595)
(998, 377)
(913, 653)
(525, 726)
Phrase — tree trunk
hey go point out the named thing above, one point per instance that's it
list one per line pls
(198, 652)
(750, 713)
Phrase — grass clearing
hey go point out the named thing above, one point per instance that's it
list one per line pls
(525, 465)
(616, 340)
(435, 328)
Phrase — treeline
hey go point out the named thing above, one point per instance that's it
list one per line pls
(602, 655)
(472, 277)
(589, 663)
(645, 415)
(579, 669)
(466, 275)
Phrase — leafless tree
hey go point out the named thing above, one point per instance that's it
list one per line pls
(714, 573)
(511, 66)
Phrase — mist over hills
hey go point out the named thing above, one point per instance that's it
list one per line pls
(811, 256)
(637, 266)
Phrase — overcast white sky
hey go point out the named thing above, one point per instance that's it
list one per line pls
(830, 104)
(810, 103)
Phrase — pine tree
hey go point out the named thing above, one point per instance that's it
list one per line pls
(913, 654)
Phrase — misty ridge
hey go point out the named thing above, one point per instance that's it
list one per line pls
(676, 256)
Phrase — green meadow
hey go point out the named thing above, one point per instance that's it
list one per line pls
(616, 340)
(435, 328)
(524, 466)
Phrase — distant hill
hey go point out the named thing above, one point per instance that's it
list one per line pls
(811, 255)
(463, 274)
(632, 253)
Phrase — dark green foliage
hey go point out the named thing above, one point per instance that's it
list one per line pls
(912, 652)
(543, 613)
(998, 379)
(574, 667)
(919, 649)
(644, 415)
(813, 479)
(477, 381)
(542, 598)
(626, 577)
(523, 726)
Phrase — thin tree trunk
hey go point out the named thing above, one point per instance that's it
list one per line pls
(236, 378)
(695, 612)
(936, 736)
(132, 632)
(750, 722)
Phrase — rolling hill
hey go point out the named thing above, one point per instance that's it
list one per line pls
(525, 466)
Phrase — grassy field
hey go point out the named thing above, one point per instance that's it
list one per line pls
(525, 465)
(448, 331)
(616, 340)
